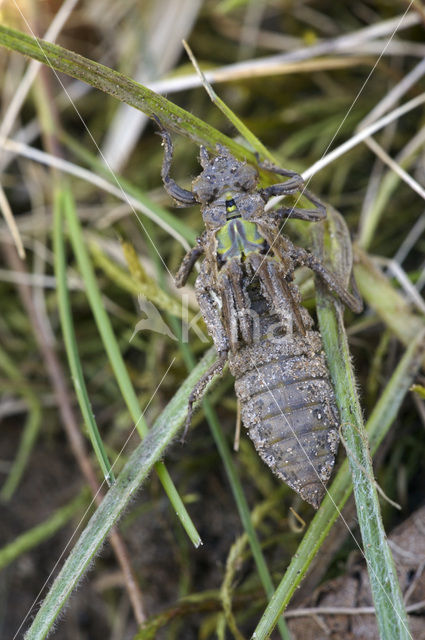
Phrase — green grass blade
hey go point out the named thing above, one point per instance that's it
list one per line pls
(116, 360)
(230, 115)
(31, 427)
(146, 287)
(26, 445)
(378, 207)
(391, 306)
(97, 165)
(138, 466)
(386, 593)
(32, 538)
(71, 342)
(122, 88)
(390, 611)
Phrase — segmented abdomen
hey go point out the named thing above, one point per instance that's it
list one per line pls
(288, 407)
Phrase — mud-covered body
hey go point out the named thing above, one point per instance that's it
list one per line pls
(253, 312)
(282, 383)
(288, 405)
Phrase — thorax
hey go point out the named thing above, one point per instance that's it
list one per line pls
(238, 238)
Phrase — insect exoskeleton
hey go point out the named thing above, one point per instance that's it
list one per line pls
(253, 312)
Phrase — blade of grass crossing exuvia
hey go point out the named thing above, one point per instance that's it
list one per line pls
(68, 332)
(377, 427)
(115, 358)
(130, 92)
(235, 484)
(138, 466)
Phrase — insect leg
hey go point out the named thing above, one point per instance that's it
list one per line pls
(229, 310)
(282, 188)
(183, 197)
(241, 300)
(302, 257)
(311, 215)
(274, 168)
(187, 264)
(199, 389)
(210, 311)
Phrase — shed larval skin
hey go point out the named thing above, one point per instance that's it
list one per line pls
(253, 312)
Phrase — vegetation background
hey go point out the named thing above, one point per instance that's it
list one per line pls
(304, 77)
